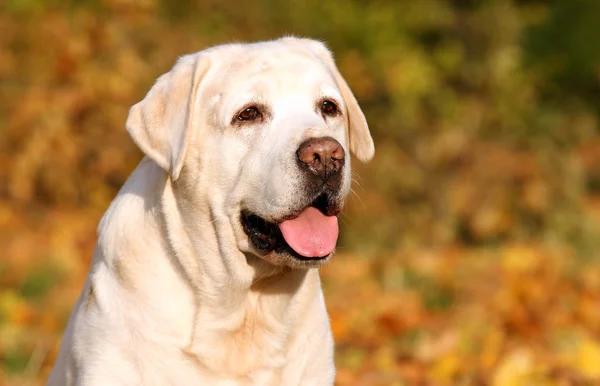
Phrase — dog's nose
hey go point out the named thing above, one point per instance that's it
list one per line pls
(323, 157)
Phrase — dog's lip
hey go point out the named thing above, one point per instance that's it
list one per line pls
(322, 202)
(265, 235)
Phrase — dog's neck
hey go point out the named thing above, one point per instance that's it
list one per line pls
(219, 304)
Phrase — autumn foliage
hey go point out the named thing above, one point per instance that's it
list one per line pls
(470, 251)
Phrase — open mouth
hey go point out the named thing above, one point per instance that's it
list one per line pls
(310, 235)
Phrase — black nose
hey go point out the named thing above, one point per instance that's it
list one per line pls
(322, 157)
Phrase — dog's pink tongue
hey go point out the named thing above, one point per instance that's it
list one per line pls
(311, 234)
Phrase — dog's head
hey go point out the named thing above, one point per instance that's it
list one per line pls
(264, 133)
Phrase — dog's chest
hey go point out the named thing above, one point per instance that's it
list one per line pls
(246, 343)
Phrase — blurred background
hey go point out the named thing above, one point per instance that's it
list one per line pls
(470, 254)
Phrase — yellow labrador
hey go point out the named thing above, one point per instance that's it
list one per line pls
(204, 271)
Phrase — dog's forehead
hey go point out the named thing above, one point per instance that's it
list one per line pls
(273, 73)
(273, 61)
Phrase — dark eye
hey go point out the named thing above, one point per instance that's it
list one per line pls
(329, 108)
(249, 114)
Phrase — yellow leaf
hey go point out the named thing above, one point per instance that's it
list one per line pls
(446, 369)
(520, 259)
(514, 370)
(492, 344)
(588, 359)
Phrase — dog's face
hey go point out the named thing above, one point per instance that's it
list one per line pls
(264, 133)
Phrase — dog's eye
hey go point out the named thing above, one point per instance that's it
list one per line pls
(249, 114)
(328, 107)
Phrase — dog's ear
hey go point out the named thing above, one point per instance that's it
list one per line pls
(160, 123)
(359, 137)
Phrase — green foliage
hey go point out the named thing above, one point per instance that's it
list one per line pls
(16, 360)
(39, 281)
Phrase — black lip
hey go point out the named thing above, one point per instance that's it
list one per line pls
(266, 236)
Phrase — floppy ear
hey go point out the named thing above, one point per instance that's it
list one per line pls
(361, 143)
(160, 123)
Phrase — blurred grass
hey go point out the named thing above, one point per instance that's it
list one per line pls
(470, 253)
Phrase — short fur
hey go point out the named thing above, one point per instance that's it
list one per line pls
(177, 294)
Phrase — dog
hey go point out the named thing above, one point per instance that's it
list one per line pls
(204, 272)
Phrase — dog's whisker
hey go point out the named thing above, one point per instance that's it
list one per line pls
(218, 219)
(357, 196)
(358, 185)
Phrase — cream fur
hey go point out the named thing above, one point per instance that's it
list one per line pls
(176, 294)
